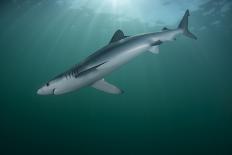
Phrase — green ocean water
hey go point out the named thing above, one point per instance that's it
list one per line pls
(176, 102)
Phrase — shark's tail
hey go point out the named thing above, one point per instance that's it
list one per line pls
(184, 26)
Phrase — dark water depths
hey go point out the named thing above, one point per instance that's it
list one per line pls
(177, 102)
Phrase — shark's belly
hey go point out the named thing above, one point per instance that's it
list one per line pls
(111, 65)
(70, 84)
(122, 57)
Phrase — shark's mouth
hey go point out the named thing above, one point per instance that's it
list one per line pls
(53, 91)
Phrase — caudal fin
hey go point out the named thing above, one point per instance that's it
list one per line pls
(184, 26)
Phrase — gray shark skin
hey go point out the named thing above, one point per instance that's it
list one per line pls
(92, 70)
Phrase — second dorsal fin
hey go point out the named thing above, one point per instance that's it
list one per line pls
(118, 35)
(165, 29)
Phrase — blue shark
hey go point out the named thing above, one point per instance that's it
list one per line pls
(121, 49)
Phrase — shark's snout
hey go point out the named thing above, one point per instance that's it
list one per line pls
(39, 91)
(44, 91)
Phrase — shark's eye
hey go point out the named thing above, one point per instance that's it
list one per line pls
(47, 84)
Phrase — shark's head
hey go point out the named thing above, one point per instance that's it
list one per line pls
(51, 87)
(47, 89)
(61, 84)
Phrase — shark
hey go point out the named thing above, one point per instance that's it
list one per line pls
(92, 70)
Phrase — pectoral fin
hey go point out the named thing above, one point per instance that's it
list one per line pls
(106, 87)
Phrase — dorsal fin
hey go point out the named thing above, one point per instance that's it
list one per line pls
(118, 35)
(165, 29)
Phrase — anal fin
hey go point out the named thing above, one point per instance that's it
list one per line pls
(154, 49)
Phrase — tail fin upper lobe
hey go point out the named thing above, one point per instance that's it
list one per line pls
(184, 26)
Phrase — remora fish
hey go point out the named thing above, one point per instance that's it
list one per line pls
(92, 70)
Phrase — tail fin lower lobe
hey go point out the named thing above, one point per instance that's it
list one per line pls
(184, 26)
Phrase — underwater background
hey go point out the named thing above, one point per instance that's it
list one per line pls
(176, 102)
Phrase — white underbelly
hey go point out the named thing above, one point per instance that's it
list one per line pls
(122, 58)
(71, 83)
